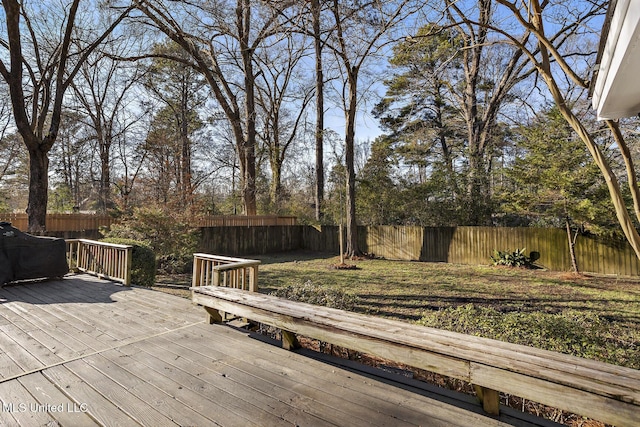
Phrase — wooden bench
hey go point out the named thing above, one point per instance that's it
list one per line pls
(594, 389)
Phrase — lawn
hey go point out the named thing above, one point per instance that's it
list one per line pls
(590, 316)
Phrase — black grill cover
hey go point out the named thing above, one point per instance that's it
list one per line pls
(23, 256)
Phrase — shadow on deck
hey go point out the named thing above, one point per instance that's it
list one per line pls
(84, 351)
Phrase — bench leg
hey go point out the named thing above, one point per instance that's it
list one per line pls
(289, 340)
(489, 398)
(213, 315)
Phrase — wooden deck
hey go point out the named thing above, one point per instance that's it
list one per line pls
(83, 351)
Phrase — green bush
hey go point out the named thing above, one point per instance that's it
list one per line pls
(170, 236)
(318, 295)
(570, 331)
(143, 262)
(516, 258)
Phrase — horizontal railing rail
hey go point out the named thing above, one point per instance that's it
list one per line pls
(215, 270)
(106, 260)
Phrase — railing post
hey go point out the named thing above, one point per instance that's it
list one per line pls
(128, 263)
(79, 253)
(253, 279)
(195, 280)
(216, 277)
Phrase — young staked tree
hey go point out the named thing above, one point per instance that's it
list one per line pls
(358, 34)
(45, 46)
(548, 26)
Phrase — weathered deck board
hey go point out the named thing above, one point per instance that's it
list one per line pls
(116, 356)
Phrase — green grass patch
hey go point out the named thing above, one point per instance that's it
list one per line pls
(589, 316)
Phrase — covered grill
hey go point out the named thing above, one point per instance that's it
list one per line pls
(24, 257)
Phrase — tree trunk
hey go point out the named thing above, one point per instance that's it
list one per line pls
(38, 189)
(319, 134)
(249, 179)
(275, 190)
(572, 246)
(352, 225)
(185, 155)
(104, 193)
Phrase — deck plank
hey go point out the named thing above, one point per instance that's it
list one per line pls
(209, 399)
(234, 387)
(72, 413)
(22, 406)
(354, 392)
(12, 347)
(187, 406)
(98, 407)
(311, 392)
(135, 406)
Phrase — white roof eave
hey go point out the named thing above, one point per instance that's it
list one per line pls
(617, 85)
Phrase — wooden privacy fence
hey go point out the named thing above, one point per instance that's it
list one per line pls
(82, 222)
(245, 221)
(61, 222)
(214, 270)
(106, 260)
(460, 245)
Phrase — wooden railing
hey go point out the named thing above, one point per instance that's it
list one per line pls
(106, 260)
(214, 270)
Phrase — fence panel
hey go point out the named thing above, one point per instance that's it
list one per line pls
(245, 221)
(62, 222)
(475, 245)
(77, 222)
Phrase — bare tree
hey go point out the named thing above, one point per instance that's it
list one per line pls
(282, 98)
(222, 45)
(103, 92)
(550, 25)
(358, 34)
(482, 95)
(51, 58)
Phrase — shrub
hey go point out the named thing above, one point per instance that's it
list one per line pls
(143, 262)
(570, 331)
(516, 258)
(318, 295)
(168, 235)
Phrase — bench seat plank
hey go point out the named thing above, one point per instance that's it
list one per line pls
(587, 387)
